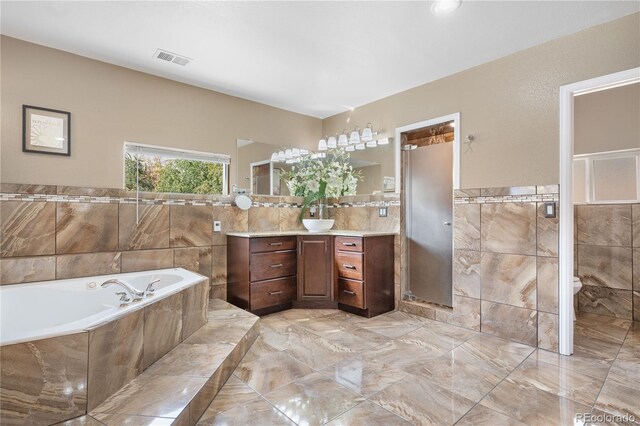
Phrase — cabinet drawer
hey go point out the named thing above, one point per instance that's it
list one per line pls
(266, 266)
(349, 243)
(349, 265)
(267, 244)
(273, 292)
(351, 293)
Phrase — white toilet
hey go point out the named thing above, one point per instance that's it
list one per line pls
(577, 285)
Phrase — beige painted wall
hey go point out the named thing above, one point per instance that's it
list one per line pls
(607, 120)
(510, 105)
(111, 104)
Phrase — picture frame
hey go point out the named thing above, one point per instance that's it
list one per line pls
(46, 131)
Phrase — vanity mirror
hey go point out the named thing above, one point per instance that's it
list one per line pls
(259, 174)
(256, 172)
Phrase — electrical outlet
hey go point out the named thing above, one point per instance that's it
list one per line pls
(550, 210)
(217, 226)
(382, 212)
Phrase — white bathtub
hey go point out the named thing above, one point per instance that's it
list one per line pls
(46, 309)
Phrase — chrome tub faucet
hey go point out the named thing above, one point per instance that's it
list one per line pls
(135, 294)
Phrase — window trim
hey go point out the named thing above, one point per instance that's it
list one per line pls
(588, 159)
(187, 154)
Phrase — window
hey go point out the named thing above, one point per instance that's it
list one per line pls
(159, 169)
(607, 177)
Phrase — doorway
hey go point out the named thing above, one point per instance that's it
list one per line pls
(566, 237)
(429, 175)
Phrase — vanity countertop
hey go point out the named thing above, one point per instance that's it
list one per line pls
(343, 233)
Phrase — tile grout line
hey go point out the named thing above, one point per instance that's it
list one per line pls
(498, 384)
(593, 406)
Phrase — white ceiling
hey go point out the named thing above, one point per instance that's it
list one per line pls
(316, 58)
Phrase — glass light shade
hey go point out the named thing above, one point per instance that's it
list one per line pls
(281, 156)
(342, 140)
(360, 146)
(288, 154)
(290, 161)
(304, 152)
(274, 157)
(350, 148)
(331, 142)
(322, 145)
(295, 152)
(383, 141)
(367, 134)
(354, 138)
(371, 144)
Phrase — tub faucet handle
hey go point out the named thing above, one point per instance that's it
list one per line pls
(124, 298)
(150, 290)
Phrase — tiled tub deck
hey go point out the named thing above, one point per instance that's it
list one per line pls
(54, 379)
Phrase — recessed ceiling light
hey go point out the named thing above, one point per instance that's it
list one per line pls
(443, 7)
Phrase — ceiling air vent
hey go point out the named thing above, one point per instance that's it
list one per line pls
(171, 57)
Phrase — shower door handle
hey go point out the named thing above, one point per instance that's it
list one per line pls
(447, 223)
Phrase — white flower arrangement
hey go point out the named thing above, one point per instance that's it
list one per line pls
(322, 178)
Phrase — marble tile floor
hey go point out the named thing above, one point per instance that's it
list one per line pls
(179, 387)
(313, 367)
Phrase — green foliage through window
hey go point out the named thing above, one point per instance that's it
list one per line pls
(180, 176)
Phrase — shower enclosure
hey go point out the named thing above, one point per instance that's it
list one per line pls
(428, 182)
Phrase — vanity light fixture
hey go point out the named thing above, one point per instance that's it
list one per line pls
(288, 154)
(383, 141)
(371, 144)
(350, 148)
(342, 139)
(281, 156)
(274, 157)
(322, 144)
(355, 137)
(367, 133)
(360, 146)
(332, 143)
(444, 7)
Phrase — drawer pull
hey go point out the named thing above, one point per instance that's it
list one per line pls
(274, 293)
(346, 266)
(349, 292)
(275, 244)
(277, 265)
(349, 244)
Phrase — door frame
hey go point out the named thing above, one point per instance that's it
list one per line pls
(565, 283)
(261, 163)
(455, 117)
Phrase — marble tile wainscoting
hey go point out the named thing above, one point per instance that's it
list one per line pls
(55, 379)
(505, 267)
(607, 259)
(52, 232)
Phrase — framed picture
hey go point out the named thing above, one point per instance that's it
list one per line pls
(46, 131)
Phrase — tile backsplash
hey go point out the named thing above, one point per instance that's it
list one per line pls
(607, 259)
(55, 232)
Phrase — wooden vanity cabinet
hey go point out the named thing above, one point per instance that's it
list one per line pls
(270, 274)
(365, 269)
(261, 273)
(315, 272)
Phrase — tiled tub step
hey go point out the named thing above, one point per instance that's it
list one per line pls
(178, 388)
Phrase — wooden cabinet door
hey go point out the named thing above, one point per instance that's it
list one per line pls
(315, 268)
